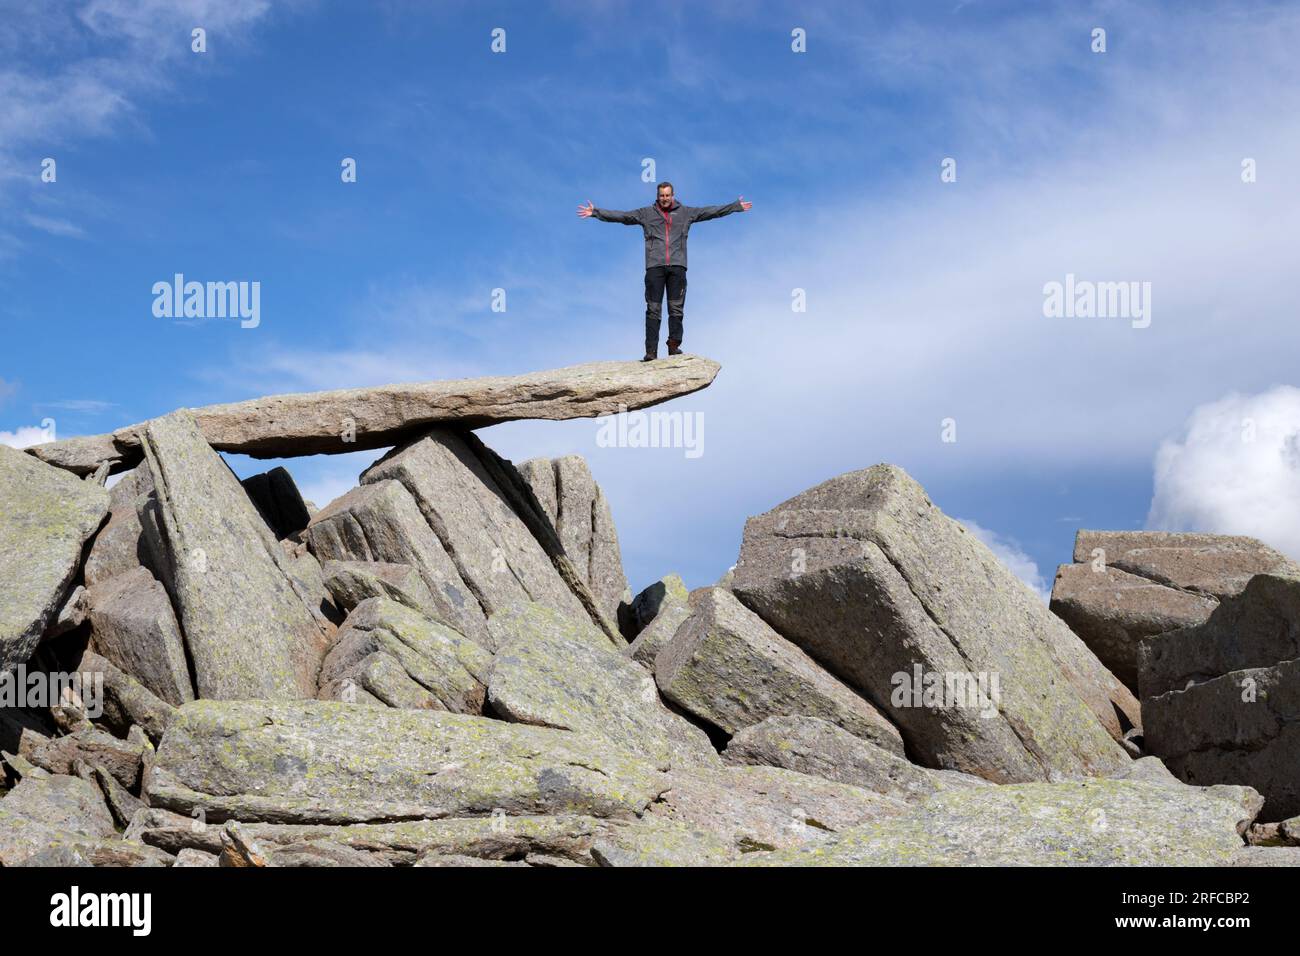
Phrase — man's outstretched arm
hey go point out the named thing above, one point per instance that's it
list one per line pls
(608, 215)
(701, 213)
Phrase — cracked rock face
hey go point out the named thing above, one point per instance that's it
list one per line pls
(1222, 699)
(1129, 585)
(46, 518)
(872, 580)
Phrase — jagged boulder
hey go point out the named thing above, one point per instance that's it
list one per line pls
(729, 668)
(870, 578)
(554, 681)
(133, 625)
(351, 582)
(1128, 585)
(577, 508)
(119, 546)
(397, 656)
(668, 591)
(46, 518)
(248, 628)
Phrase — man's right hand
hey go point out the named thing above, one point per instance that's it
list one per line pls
(587, 211)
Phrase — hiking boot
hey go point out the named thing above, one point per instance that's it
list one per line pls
(650, 356)
(673, 348)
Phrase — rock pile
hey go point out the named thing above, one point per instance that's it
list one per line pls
(446, 666)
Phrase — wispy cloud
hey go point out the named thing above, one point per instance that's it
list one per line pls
(25, 436)
(55, 227)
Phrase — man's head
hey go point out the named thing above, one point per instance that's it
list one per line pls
(665, 195)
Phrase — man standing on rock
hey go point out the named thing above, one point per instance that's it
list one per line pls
(666, 224)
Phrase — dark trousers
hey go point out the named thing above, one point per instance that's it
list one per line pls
(657, 279)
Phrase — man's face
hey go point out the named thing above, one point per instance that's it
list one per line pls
(665, 198)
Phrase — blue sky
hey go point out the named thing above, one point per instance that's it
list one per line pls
(925, 298)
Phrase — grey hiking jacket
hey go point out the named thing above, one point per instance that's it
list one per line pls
(665, 233)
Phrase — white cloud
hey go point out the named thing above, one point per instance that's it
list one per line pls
(25, 436)
(1008, 551)
(55, 227)
(1236, 470)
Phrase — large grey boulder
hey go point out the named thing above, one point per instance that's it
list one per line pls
(1215, 565)
(381, 523)
(1238, 728)
(1094, 822)
(1257, 628)
(351, 582)
(404, 659)
(46, 518)
(248, 630)
(323, 762)
(1129, 585)
(1112, 611)
(658, 634)
(491, 547)
(133, 625)
(728, 667)
(358, 419)
(870, 578)
(765, 808)
(555, 681)
(816, 747)
(55, 820)
(580, 514)
(119, 547)
(532, 621)
(668, 591)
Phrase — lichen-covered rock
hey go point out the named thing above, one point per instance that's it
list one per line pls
(1094, 822)
(1112, 611)
(553, 681)
(870, 578)
(46, 518)
(657, 841)
(121, 758)
(728, 667)
(531, 621)
(133, 625)
(492, 549)
(658, 634)
(1236, 729)
(1215, 565)
(380, 522)
(324, 762)
(668, 591)
(765, 808)
(580, 514)
(562, 835)
(351, 582)
(819, 748)
(126, 701)
(1256, 628)
(421, 663)
(248, 631)
(118, 547)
